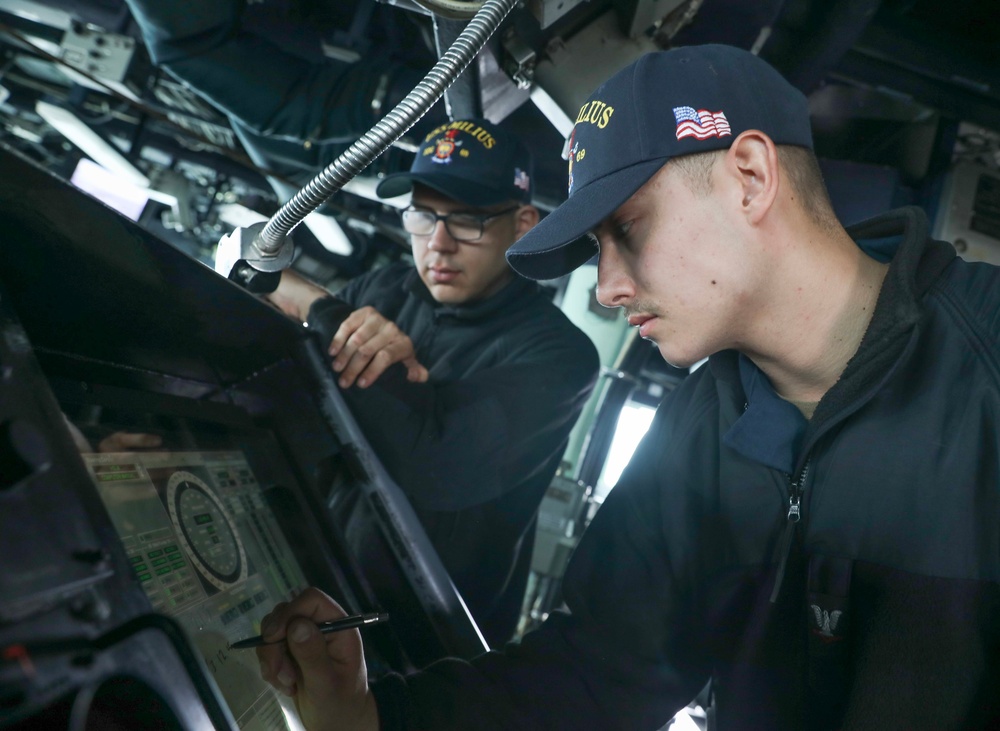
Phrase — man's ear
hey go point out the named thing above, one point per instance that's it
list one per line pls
(525, 219)
(752, 160)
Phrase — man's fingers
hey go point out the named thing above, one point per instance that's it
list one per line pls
(364, 342)
(348, 327)
(321, 659)
(125, 441)
(398, 351)
(276, 664)
(372, 358)
(415, 371)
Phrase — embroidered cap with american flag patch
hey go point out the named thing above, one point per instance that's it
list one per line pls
(666, 104)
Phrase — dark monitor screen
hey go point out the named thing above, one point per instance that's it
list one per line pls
(207, 550)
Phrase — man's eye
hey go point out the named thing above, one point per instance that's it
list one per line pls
(622, 229)
(416, 214)
(464, 221)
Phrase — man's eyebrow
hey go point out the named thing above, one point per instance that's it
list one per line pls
(471, 211)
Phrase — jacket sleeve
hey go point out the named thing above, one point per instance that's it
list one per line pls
(456, 444)
(629, 653)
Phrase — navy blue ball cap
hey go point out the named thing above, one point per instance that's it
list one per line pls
(472, 161)
(666, 104)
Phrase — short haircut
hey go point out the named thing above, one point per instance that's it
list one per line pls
(802, 167)
(799, 163)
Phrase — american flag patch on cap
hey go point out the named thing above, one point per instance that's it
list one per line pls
(521, 179)
(701, 124)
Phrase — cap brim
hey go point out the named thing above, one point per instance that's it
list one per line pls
(465, 191)
(558, 243)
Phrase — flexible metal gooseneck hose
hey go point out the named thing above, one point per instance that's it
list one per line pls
(388, 129)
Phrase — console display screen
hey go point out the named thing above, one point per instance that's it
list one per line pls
(207, 550)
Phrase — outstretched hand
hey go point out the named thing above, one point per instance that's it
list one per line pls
(325, 674)
(122, 441)
(367, 343)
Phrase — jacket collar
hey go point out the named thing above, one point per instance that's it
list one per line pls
(771, 434)
(916, 263)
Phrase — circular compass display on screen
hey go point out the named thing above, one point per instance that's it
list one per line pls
(206, 530)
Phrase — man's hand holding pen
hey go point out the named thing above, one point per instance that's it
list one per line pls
(337, 625)
(324, 673)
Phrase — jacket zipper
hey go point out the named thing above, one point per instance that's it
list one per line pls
(794, 515)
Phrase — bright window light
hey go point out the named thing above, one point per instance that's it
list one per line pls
(120, 193)
(329, 233)
(633, 423)
(77, 132)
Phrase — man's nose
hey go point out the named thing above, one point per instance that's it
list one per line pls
(440, 239)
(614, 287)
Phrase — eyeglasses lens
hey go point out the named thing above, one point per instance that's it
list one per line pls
(460, 226)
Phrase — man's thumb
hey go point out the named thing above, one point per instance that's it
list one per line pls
(308, 647)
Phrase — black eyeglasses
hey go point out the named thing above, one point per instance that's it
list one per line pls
(461, 226)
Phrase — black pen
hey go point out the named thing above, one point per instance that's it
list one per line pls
(356, 620)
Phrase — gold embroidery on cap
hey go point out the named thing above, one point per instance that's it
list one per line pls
(595, 112)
